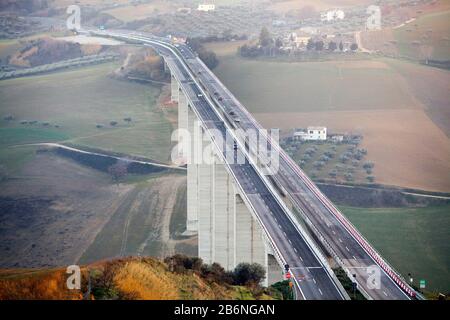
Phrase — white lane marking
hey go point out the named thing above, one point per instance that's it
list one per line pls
(354, 257)
(385, 293)
(295, 250)
(340, 240)
(285, 233)
(314, 280)
(290, 241)
(347, 249)
(320, 292)
(279, 226)
(302, 260)
(333, 231)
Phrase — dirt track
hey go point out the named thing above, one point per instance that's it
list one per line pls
(54, 209)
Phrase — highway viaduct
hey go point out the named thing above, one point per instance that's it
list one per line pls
(240, 212)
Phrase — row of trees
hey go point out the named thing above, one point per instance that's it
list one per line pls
(266, 45)
(270, 46)
(114, 123)
(248, 274)
(332, 46)
(207, 56)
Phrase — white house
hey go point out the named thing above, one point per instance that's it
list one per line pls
(312, 133)
(206, 7)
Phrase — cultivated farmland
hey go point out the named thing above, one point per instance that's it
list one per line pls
(413, 240)
(392, 104)
(79, 106)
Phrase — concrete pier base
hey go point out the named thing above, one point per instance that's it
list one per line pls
(227, 232)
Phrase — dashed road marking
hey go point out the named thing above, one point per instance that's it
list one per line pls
(340, 240)
(385, 293)
(320, 292)
(347, 249)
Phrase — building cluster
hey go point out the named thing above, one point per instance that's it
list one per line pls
(298, 41)
(332, 15)
(313, 133)
(206, 7)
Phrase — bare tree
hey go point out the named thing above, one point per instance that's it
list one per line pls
(118, 170)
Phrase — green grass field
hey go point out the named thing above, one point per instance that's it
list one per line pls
(413, 240)
(313, 86)
(428, 37)
(77, 101)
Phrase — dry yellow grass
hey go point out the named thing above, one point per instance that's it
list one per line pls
(47, 285)
(133, 278)
(144, 282)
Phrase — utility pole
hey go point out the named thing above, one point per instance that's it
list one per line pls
(87, 295)
(411, 280)
(354, 286)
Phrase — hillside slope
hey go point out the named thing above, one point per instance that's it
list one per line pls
(132, 278)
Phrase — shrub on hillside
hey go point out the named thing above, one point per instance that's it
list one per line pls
(216, 273)
(248, 274)
(180, 263)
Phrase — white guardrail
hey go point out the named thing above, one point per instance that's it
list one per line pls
(343, 220)
(389, 270)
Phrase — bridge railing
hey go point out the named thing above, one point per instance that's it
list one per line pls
(389, 270)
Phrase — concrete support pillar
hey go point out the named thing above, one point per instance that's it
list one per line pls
(206, 223)
(224, 217)
(250, 246)
(206, 232)
(192, 179)
(174, 88)
(274, 271)
(182, 111)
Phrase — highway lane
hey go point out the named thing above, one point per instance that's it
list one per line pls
(302, 196)
(295, 251)
(344, 246)
(313, 280)
(338, 237)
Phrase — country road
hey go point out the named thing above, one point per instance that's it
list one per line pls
(62, 146)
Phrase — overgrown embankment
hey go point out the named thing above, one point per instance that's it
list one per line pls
(178, 277)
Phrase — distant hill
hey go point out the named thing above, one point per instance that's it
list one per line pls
(132, 278)
(23, 6)
(48, 50)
